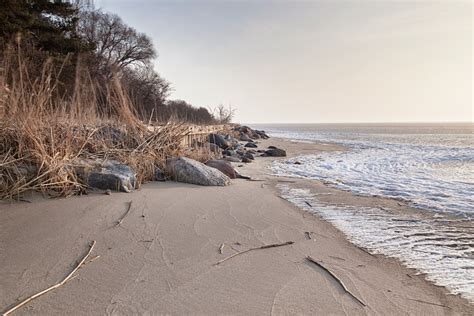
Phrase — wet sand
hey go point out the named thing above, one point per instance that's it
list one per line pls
(161, 259)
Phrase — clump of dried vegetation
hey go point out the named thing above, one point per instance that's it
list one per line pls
(44, 132)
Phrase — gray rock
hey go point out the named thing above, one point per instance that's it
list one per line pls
(277, 152)
(191, 171)
(249, 156)
(232, 141)
(246, 160)
(230, 153)
(159, 175)
(245, 129)
(254, 135)
(223, 166)
(219, 140)
(241, 151)
(262, 134)
(104, 175)
(245, 138)
(251, 145)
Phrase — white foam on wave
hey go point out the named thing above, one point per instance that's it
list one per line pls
(435, 246)
(422, 170)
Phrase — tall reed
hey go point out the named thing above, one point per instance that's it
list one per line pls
(45, 132)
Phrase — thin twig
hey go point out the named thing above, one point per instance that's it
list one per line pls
(55, 286)
(125, 215)
(91, 260)
(221, 248)
(426, 302)
(256, 248)
(308, 204)
(335, 278)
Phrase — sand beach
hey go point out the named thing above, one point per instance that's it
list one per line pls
(162, 257)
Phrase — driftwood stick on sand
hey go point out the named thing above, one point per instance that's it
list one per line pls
(256, 248)
(335, 278)
(221, 248)
(426, 302)
(125, 215)
(69, 277)
(307, 203)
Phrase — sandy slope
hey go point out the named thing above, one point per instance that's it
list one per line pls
(161, 259)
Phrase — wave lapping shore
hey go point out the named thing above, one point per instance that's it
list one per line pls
(424, 166)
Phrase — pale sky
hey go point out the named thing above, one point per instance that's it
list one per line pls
(314, 61)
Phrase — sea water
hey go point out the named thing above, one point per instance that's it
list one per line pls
(428, 166)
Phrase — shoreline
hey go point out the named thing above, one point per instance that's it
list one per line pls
(161, 259)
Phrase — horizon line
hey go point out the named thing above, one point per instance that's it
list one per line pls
(425, 122)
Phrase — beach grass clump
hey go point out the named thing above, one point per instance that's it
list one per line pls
(45, 133)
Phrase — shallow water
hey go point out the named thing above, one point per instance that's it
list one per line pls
(431, 167)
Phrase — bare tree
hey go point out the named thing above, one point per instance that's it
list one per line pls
(224, 115)
(116, 44)
(148, 90)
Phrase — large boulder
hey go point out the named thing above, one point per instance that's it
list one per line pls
(188, 170)
(223, 166)
(106, 175)
(275, 152)
(219, 140)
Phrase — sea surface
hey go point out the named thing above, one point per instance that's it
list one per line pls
(428, 166)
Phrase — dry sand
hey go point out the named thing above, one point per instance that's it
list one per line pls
(160, 260)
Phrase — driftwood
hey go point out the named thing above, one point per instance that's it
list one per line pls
(69, 277)
(221, 248)
(426, 302)
(125, 215)
(307, 203)
(256, 248)
(335, 278)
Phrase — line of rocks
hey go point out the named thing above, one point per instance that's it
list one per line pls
(241, 145)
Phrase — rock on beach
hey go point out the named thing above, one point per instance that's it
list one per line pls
(191, 171)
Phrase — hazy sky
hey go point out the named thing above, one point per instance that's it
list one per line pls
(314, 61)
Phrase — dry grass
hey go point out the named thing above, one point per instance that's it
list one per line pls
(44, 134)
(200, 153)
